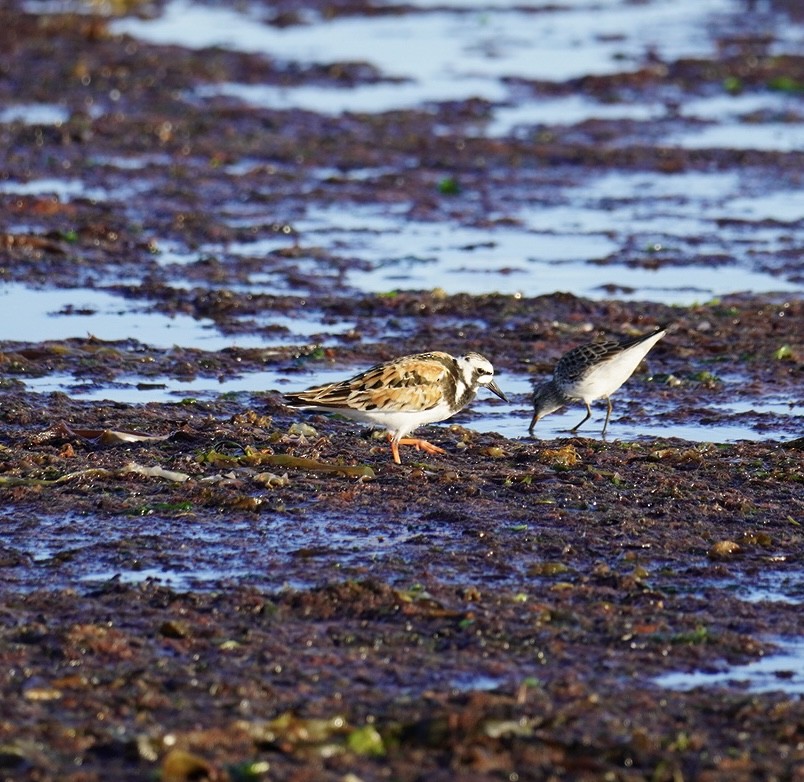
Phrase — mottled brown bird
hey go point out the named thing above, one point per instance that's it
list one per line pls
(404, 393)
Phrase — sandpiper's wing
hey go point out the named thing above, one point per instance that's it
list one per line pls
(572, 366)
(410, 383)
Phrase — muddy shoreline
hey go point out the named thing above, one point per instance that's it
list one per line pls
(213, 586)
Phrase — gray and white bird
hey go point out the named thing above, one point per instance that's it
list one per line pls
(590, 372)
(404, 393)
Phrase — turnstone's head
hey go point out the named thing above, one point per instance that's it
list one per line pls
(478, 371)
(547, 398)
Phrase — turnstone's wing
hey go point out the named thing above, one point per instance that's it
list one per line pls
(411, 383)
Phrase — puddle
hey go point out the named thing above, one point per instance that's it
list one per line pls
(772, 206)
(780, 671)
(514, 424)
(765, 405)
(126, 389)
(706, 187)
(512, 421)
(72, 189)
(457, 51)
(132, 163)
(569, 110)
(255, 249)
(778, 588)
(35, 114)
(40, 315)
(668, 285)
(66, 313)
(769, 136)
(64, 189)
(442, 46)
(572, 256)
(169, 253)
(457, 259)
(704, 197)
(717, 107)
(476, 683)
(526, 113)
(364, 99)
(764, 585)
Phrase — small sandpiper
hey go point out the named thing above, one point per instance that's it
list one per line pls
(590, 372)
(404, 393)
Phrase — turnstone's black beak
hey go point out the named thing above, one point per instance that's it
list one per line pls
(496, 389)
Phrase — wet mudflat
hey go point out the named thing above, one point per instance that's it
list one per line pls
(503, 609)
(199, 583)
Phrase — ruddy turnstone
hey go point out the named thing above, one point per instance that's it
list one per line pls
(591, 372)
(404, 393)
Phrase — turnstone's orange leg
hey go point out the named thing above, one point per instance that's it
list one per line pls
(416, 442)
(421, 445)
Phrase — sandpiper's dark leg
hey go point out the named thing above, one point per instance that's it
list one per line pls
(586, 417)
(533, 423)
(608, 415)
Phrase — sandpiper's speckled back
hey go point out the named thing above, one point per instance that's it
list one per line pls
(576, 363)
(598, 369)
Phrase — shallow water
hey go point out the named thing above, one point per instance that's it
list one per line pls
(34, 114)
(779, 671)
(486, 414)
(456, 43)
(64, 189)
(613, 230)
(775, 588)
(62, 313)
(570, 247)
(519, 117)
(775, 136)
(466, 51)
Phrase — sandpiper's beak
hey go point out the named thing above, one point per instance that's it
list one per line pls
(496, 389)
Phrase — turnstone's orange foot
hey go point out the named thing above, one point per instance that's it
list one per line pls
(421, 445)
(591, 372)
(404, 393)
